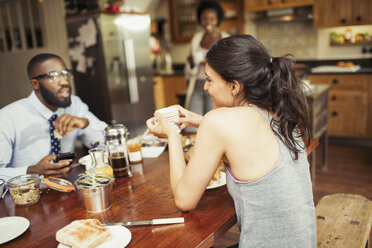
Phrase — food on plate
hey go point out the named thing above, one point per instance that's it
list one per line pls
(57, 135)
(83, 234)
(217, 175)
(345, 64)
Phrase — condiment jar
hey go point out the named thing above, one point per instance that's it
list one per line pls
(135, 151)
(116, 137)
(24, 189)
(99, 164)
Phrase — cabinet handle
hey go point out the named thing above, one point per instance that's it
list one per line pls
(283, 1)
(334, 113)
(359, 18)
(335, 81)
(333, 98)
(269, 2)
(343, 20)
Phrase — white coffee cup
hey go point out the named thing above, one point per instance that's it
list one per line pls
(171, 114)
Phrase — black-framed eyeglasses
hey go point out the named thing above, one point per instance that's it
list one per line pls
(55, 76)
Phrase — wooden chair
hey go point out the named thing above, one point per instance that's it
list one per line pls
(343, 221)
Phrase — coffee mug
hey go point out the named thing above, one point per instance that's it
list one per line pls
(171, 114)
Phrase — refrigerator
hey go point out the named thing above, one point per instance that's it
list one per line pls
(110, 58)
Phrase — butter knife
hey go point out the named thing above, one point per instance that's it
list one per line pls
(147, 222)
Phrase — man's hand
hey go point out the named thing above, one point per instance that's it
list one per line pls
(46, 168)
(67, 123)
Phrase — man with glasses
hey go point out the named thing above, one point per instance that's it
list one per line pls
(49, 121)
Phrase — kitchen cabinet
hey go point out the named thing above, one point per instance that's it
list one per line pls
(350, 101)
(317, 100)
(184, 21)
(166, 88)
(333, 13)
(261, 5)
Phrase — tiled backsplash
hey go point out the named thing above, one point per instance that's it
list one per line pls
(297, 38)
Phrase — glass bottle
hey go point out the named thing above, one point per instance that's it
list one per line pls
(99, 163)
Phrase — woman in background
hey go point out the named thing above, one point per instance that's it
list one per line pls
(257, 126)
(210, 15)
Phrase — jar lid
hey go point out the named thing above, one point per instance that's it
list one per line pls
(117, 129)
(59, 184)
(23, 180)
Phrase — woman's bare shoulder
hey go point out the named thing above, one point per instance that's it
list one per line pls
(231, 117)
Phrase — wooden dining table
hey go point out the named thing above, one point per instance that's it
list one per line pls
(144, 196)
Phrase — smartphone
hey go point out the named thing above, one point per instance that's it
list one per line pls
(65, 156)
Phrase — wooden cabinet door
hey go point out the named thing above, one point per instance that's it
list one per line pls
(295, 3)
(166, 89)
(342, 82)
(348, 103)
(348, 114)
(261, 5)
(361, 12)
(255, 5)
(332, 13)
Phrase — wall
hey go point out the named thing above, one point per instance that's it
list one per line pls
(14, 82)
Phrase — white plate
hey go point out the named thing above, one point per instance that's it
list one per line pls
(11, 227)
(86, 160)
(120, 237)
(220, 183)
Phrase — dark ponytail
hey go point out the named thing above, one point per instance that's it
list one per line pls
(289, 104)
(269, 83)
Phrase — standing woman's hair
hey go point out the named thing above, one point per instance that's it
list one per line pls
(269, 83)
(210, 4)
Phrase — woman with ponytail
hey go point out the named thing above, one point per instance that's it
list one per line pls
(257, 127)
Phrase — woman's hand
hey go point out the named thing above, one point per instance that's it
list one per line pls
(188, 118)
(159, 126)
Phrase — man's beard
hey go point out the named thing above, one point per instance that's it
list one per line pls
(51, 99)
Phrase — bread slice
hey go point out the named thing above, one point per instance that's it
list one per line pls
(83, 234)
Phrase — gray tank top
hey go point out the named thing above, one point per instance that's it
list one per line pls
(277, 209)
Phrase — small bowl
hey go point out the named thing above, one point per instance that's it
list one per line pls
(24, 189)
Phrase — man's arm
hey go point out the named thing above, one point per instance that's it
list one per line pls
(94, 131)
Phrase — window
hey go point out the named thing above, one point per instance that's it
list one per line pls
(20, 25)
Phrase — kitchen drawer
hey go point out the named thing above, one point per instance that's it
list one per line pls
(347, 121)
(354, 98)
(344, 82)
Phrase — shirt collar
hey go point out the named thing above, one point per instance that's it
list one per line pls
(41, 108)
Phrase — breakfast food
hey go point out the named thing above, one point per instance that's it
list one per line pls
(345, 64)
(57, 135)
(217, 175)
(83, 234)
(25, 194)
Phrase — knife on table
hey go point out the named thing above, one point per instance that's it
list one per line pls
(147, 222)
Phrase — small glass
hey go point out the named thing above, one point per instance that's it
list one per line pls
(135, 151)
(24, 189)
(99, 164)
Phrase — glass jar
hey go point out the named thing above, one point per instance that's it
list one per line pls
(116, 137)
(135, 151)
(24, 189)
(99, 164)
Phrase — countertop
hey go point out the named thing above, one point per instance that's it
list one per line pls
(363, 70)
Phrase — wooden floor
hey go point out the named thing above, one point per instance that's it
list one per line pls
(349, 171)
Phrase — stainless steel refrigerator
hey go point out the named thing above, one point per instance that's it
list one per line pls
(110, 58)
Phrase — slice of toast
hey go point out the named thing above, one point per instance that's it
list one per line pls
(83, 234)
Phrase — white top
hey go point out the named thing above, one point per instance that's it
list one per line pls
(198, 53)
(24, 132)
